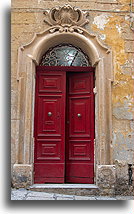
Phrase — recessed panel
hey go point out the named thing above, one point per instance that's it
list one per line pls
(51, 84)
(79, 150)
(49, 115)
(79, 85)
(79, 116)
(48, 150)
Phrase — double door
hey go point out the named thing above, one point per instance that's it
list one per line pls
(64, 126)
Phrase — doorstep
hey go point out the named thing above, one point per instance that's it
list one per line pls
(75, 189)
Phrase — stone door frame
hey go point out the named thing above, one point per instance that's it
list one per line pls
(29, 56)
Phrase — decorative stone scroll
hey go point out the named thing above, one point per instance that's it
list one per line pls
(66, 18)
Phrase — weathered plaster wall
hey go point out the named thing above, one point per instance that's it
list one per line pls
(114, 30)
(110, 19)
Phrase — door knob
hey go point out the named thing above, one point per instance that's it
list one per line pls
(49, 114)
(79, 115)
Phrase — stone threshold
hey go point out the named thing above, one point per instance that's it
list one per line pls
(85, 186)
(76, 189)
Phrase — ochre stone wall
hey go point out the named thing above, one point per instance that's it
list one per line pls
(110, 19)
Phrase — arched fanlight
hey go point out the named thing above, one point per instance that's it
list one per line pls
(65, 55)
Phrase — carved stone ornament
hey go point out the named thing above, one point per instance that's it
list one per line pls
(66, 18)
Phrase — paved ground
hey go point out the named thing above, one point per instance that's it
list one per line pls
(23, 194)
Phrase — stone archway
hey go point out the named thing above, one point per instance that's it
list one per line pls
(29, 56)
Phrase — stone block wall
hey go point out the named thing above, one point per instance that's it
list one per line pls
(106, 179)
(110, 20)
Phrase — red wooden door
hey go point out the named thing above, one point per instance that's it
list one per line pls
(49, 161)
(59, 111)
(80, 128)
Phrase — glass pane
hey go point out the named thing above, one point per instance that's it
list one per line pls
(65, 55)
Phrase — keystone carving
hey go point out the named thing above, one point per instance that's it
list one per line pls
(63, 18)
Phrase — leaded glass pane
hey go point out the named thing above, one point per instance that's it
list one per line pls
(65, 55)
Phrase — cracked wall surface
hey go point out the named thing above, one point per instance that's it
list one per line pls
(117, 34)
(110, 20)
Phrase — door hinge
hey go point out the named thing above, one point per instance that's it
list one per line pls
(94, 141)
(95, 90)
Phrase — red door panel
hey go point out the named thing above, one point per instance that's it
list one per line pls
(80, 128)
(79, 113)
(78, 85)
(49, 159)
(49, 124)
(56, 159)
(79, 150)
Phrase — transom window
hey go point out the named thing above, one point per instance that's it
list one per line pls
(65, 55)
